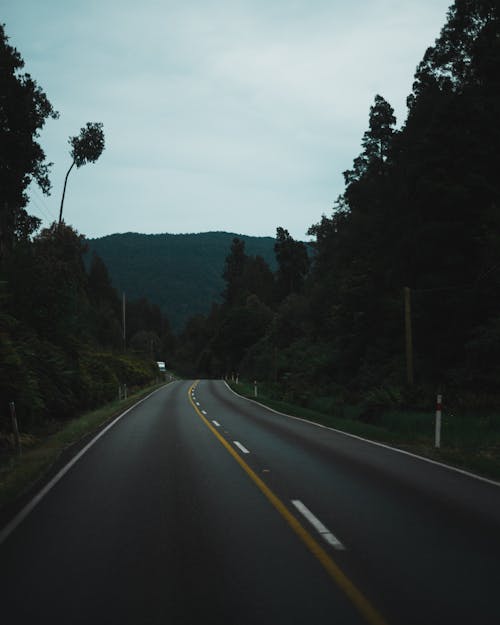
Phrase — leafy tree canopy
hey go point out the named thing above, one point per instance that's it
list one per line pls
(88, 146)
(293, 263)
(85, 148)
(24, 108)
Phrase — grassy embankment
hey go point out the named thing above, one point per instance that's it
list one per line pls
(40, 452)
(470, 442)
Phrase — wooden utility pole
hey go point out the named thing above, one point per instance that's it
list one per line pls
(408, 337)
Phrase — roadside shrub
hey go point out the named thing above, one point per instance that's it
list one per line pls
(131, 369)
(98, 382)
(17, 383)
(377, 400)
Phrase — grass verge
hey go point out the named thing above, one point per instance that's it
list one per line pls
(466, 442)
(19, 473)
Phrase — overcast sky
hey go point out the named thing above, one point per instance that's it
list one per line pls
(218, 115)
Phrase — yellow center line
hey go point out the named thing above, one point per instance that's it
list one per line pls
(356, 597)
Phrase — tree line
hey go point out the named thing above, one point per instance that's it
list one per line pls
(420, 210)
(62, 345)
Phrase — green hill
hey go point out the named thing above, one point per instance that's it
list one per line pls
(182, 273)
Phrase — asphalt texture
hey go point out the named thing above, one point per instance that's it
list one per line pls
(158, 523)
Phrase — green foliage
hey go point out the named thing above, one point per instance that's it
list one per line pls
(293, 263)
(378, 400)
(88, 146)
(17, 383)
(85, 148)
(181, 273)
(56, 321)
(100, 286)
(259, 279)
(98, 382)
(24, 108)
(146, 342)
(48, 284)
(133, 370)
(241, 327)
(233, 273)
(421, 209)
(377, 147)
(100, 374)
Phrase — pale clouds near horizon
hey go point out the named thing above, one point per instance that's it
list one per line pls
(236, 116)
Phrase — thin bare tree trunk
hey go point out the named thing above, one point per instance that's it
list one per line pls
(64, 192)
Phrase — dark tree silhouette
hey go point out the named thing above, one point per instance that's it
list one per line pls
(293, 263)
(24, 108)
(85, 148)
(233, 271)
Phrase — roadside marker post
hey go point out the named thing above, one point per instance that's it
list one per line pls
(439, 404)
(255, 388)
(15, 428)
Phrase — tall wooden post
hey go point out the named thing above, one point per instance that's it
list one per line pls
(124, 315)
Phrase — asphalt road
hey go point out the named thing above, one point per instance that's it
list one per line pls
(198, 506)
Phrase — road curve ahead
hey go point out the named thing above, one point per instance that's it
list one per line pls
(198, 506)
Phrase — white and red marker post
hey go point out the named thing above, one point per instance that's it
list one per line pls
(439, 407)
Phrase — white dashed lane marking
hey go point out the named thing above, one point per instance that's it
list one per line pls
(318, 525)
(241, 448)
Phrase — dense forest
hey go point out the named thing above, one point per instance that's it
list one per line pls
(61, 335)
(419, 214)
(182, 273)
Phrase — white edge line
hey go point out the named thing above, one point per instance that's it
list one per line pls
(240, 446)
(318, 525)
(22, 514)
(216, 423)
(367, 440)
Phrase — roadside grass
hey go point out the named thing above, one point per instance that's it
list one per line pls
(470, 442)
(19, 472)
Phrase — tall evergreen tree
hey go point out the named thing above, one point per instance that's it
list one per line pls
(376, 142)
(293, 263)
(106, 305)
(233, 272)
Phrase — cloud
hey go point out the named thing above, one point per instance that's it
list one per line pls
(235, 115)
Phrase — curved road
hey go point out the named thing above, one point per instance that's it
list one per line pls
(198, 506)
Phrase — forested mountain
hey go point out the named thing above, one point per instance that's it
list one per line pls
(181, 273)
(420, 214)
